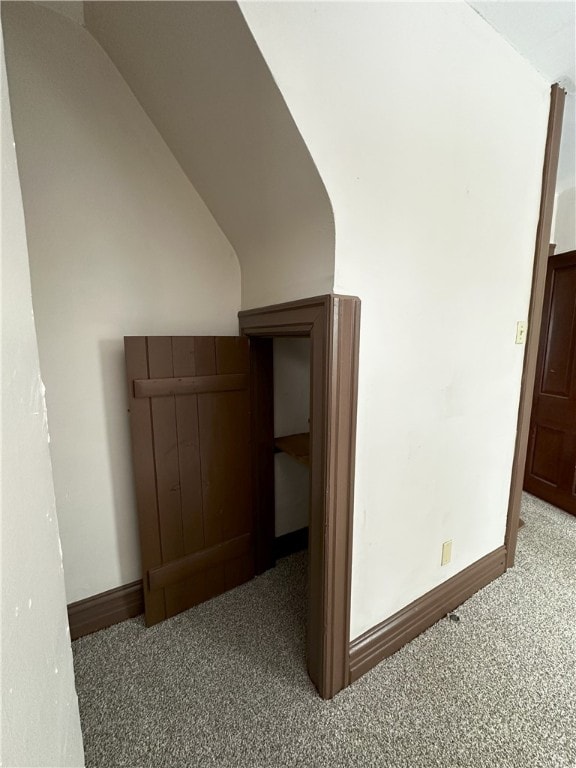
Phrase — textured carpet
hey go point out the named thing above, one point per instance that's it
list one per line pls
(225, 683)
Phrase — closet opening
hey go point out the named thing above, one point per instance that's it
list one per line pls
(291, 375)
(328, 327)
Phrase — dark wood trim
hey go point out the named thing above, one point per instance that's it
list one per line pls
(342, 396)
(190, 385)
(105, 609)
(290, 543)
(390, 635)
(136, 350)
(180, 569)
(332, 323)
(108, 608)
(549, 172)
(562, 260)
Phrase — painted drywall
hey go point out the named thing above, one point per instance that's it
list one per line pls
(40, 719)
(564, 234)
(73, 9)
(197, 72)
(291, 417)
(564, 220)
(120, 244)
(567, 158)
(411, 112)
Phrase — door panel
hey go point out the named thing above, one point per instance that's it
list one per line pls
(190, 422)
(547, 454)
(558, 372)
(224, 423)
(551, 459)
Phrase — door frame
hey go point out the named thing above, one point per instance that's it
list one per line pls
(549, 173)
(555, 262)
(333, 324)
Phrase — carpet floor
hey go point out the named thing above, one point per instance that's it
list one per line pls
(225, 684)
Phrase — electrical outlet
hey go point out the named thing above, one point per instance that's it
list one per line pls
(521, 331)
(446, 552)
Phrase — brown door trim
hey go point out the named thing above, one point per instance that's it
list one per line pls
(105, 609)
(332, 322)
(549, 172)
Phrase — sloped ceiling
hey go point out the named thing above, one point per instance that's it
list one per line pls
(542, 31)
(198, 73)
(73, 9)
(545, 34)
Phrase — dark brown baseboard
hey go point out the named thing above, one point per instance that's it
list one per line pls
(107, 608)
(290, 543)
(390, 635)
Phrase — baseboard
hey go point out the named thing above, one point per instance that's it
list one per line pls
(107, 608)
(390, 635)
(290, 543)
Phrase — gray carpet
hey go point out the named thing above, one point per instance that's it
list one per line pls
(225, 683)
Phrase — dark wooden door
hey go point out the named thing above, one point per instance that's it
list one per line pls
(551, 460)
(190, 423)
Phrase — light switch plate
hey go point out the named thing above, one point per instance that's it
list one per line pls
(521, 331)
(446, 552)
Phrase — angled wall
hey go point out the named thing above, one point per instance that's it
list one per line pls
(428, 131)
(200, 77)
(120, 244)
(40, 720)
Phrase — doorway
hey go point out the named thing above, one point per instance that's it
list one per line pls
(203, 441)
(332, 324)
(291, 444)
(549, 173)
(551, 462)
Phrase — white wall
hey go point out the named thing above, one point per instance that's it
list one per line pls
(197, 72)
(291, 417)
(564, 235)
(564, 221)
(120, 244)
(428, 131)
(40, 720)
